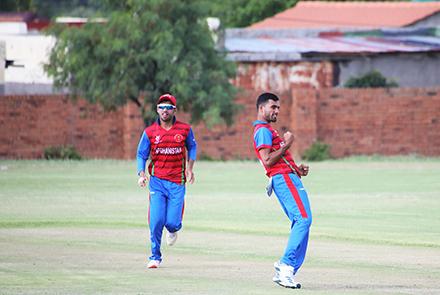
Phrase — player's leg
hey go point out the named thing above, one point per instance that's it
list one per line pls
(156, 216)
(293, 199)
(302, 224)
(301, 252)
(297, 244)
(175, 209)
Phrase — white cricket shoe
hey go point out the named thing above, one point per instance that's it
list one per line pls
(171, 238)
(153, 264)
(284, 276)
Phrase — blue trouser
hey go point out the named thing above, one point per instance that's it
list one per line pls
(295, 203)
(167, 201)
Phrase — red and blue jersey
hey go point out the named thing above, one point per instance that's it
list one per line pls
(267, 137)
(167, 150)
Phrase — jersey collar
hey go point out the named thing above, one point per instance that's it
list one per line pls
(259, 122)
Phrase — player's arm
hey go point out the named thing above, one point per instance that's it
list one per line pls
(143, 152)
(263, 141)
(189, 171)
(270, 158)
(191, 146)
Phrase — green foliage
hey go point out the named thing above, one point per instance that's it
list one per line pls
(373, 79)
(52, 8)
(242, 13)
(205, 157)
(145, 49)
(233, 13)
(61, 152)
(318, 151)
(15, 5)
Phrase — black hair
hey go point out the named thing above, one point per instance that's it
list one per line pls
(265, 97)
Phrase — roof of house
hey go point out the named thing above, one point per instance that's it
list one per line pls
(282, 45)
(31, 21)
(34, 23)
(318, 14)
(16, 16)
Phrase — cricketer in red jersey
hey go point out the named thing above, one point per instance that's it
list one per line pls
(273, 153)
(166, 142)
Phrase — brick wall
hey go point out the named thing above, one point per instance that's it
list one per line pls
(29, 124)
(280, 77)
(229, 142)
(369, 121)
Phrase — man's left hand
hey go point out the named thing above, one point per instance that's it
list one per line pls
(190, 176)
(304, 169)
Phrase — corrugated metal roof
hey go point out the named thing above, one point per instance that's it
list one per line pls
(267, 47)
(319, 14)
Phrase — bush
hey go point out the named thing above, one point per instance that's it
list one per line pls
(318, 151)
(205, 157)
(61, 152)
(373, 79)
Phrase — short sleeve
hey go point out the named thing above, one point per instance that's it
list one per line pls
(263, 138)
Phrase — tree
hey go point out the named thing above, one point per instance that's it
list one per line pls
(242, 13)
(373, 79)
(233, 13)
(147, 48)
(51, 8)
(15, 5)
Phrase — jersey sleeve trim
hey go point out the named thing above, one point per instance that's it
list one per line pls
(263, 138)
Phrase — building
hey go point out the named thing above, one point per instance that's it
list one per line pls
(26, 50)
(326, 58)
(323, 44)
(367, 15)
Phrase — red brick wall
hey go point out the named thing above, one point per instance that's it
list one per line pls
(280, 77)
(369, 121)
(373, 121)
(29, 124)
(233, 142)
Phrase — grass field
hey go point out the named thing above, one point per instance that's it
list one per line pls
(81, 228)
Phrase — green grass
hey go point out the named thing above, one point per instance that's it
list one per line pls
(81, 227)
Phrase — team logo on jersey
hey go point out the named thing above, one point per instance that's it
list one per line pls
(178, 138)
(157, 139)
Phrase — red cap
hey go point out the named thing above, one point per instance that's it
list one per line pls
(168, 97)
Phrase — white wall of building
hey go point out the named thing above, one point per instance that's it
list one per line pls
(29, 53)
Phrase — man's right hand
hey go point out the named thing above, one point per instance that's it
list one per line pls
(304, 169)
(142, 181)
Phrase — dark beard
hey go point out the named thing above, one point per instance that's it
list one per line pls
(169, 119)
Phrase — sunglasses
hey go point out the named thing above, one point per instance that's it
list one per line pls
(167, 107)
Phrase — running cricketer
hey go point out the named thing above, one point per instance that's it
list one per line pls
(284, 179)
(167, 142)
